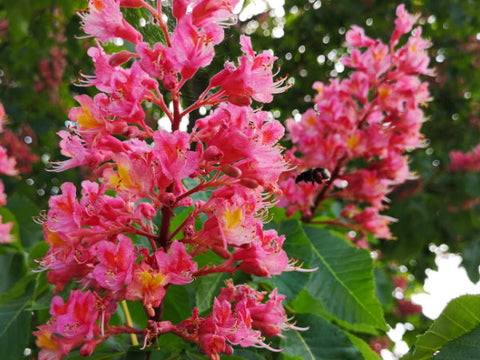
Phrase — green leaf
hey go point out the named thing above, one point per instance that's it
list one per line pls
(344, 281)
(12, 266)
(177, 306)
(383, 287)
(20, 287)
(206, 288)
(321, 341)
(24, 211)
(15, 330)
(460, 316)
(465, 347)
(471, 260)
(244, 354)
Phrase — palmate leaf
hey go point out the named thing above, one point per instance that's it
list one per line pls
(321, 341)
(462, 348)
(344, 281)
(461, 316)
(15, 332)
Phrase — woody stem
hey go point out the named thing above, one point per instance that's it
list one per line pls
(326, 188)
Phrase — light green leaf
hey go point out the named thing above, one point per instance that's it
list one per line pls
(344, 281)
(464, 347)
(459, 317)
(321, 341)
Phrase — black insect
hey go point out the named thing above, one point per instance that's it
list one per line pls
(317, 175)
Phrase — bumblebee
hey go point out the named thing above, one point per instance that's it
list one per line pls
(317, 175)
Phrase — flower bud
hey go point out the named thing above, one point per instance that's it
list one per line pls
(221, 251)
(168, 199)
(249, 183)
(231, 170)
(132, 3)
(88, 348)
(120, 58)
(146, 211)
(213, 153)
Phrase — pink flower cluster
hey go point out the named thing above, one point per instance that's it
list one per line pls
(231, 155)
(360, 128)
(7, 167)
(239, 317)
(469, 161)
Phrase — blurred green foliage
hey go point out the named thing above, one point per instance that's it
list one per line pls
(437, 208)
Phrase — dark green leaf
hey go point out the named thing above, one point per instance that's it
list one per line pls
(206, 288)
(13, 267)
(321, 341)
(24, 211)
(344, 281)
(471, 260)
(465, 347)
(15, 329)
(177, 306)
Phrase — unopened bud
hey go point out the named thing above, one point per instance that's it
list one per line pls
(249, 183)
(221, 251)
(88, 348)
(231, 171)
(189, 228)
(131, 3)
(213, 153)
(121, 58)
(146, 211)
(131, 132)
(149, 310)
(168, 199)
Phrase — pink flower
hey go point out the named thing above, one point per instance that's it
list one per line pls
(356, 37)
(403, 23)
(147, 285)
(7, 164)
(73, 147)
(105, 21)
(175, 160)
(212, 11)
(264, 256)
(76, 318)
(193, 48)
(5, 229)
(159, 64)
(3, 117)
(65, 211)
(252, 79)
(469, 161)
(133, 178)
(53, 347)
(114, 269)
(232, 217)
(176, 264)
